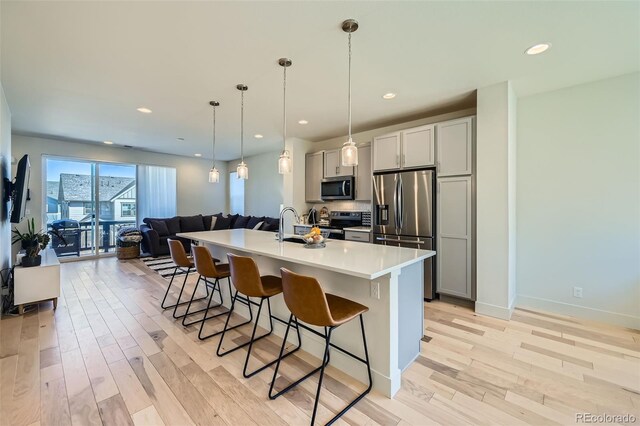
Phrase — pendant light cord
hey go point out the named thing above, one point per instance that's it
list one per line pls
(214, 137)
(284, 121)
(242, 126)
(349, 86)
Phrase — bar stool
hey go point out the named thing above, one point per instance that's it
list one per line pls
(248, 282)
(182, 262)
(207, 269)
(310, 304)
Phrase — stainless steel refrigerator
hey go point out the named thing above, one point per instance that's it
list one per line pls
(403, 209)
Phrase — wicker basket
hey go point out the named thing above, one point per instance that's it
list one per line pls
(128, 252)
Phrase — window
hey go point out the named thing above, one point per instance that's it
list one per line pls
(87, 208)
(128, 210)
(236, 194)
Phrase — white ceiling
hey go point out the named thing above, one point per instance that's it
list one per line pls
(80, 69)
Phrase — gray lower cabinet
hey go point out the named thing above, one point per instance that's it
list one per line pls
(364, 237)
(454, 237)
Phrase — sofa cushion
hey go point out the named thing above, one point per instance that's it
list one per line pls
(191, 223)
(160, 226)
(253, 222)
(163, 240)
(240, 222)
(222, 223)
(233, 218)
(270, 224)
(173, 224)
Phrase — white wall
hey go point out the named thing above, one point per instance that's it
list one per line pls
(578, 184)
(195, 193)
(263, 191)
(495, 200)
(5, 172)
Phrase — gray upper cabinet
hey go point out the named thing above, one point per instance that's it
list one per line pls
(313, 176)
(386, 152)
(363, 174)
(333, 165)
(454, 237)
(454, 147)
(406, 149)
(418, 147)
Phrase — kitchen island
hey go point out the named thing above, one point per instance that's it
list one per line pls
(386, 279)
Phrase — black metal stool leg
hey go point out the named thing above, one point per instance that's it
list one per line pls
(214, 287)
(175, 307)
(227, 328)
(326, 355)
(166, 293)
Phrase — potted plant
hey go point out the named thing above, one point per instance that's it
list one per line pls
(32, 242)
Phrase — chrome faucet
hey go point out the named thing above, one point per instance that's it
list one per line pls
(281, 226)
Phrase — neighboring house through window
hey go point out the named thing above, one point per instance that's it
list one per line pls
(128, 210)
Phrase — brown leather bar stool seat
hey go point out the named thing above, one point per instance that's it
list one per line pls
(183, 263)
(248, 283)
(207, 270)
(309, 304)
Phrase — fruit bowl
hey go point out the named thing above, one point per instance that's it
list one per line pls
(314, 239)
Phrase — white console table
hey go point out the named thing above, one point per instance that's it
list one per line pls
(37, 283)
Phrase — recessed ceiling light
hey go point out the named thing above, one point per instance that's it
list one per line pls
(198, 155)
(303, 122)
(389, 95)
(108, 142)
(536, 49)
(145, 110)
(258, 136)
(180, 139)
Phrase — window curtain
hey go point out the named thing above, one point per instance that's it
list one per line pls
(157, 191)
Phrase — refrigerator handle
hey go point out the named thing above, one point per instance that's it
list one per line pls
(395, 205)
(401, 202)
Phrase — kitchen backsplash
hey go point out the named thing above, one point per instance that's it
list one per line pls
(364, 206)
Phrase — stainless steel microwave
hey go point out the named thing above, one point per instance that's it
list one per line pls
(338, 188)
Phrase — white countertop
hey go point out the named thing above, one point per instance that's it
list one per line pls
(358, 229)
(367, 261)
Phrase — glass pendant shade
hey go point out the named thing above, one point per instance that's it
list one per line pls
(284, 163)
(349, 153)
(243, 171)
(214, 175)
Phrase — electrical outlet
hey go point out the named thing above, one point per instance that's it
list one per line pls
(577, 292)
(375, 290)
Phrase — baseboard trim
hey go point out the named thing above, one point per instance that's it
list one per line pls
(494, 310)
(592, 314)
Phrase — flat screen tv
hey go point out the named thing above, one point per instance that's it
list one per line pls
(20, 190)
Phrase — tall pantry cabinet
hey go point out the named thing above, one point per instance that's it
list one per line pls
(455, 216)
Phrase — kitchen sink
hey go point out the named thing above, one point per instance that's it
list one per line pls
(293, 240)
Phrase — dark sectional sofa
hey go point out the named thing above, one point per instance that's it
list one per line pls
(156, 231)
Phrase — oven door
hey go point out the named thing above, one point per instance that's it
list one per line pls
(337, 189)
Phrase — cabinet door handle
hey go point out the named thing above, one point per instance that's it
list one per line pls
(337, 170)
(398, 160)
(404, 159)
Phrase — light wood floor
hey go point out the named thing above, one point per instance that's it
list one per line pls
(110, 355)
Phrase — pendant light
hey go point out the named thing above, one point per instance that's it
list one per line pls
(284, 162)
(214, 174)
(349, 151)
(243, 170)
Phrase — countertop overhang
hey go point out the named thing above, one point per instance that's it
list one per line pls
(368, 261)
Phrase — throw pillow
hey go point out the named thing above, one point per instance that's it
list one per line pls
(270, 224)
(241, 222)
(207, 222)
(191, 223)
(251, 224)
(173, 224)
(160, 227)
(214, 218)
(222, 223)
(258, 226)
(233, 218)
